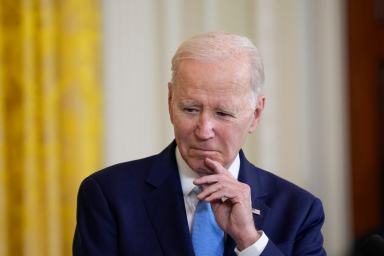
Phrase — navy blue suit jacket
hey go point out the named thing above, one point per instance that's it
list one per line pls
(137, 208)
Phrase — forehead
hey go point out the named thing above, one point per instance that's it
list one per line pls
(215, 76)
(215, 84)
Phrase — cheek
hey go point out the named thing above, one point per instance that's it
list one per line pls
(182, 127)
(234, 136)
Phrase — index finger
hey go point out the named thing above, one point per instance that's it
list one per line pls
(215, 166)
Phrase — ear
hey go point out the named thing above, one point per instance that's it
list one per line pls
(257, 113)
(170, 97)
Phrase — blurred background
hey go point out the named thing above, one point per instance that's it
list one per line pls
(83, 85)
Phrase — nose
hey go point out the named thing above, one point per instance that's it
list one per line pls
(205, 127)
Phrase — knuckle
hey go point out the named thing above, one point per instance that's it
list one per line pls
(245, 190)
(220, 178)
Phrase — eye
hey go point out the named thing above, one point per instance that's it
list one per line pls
(223, 114)
(190, 110)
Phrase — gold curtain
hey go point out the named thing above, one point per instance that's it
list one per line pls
(50, 119)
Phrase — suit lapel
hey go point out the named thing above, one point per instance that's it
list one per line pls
(165, 205)
(251, 175)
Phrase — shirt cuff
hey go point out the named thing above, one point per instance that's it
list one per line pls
(255, 249)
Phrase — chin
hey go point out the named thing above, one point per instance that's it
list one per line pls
(198, 166)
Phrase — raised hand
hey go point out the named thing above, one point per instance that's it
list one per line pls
(231, 203)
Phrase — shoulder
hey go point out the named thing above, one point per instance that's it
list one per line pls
(290, 199)
(136, 168)
(283, 187)
(268, 183)
(124, 177)
(277, 190)
(133, 177)
(286, 193)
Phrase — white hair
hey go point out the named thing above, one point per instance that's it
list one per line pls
(220, 46)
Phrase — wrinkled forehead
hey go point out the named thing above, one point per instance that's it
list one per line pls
(215, 83)
(217, 73)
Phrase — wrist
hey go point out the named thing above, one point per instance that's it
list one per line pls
(247, 240)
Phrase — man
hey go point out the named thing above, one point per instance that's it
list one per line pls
(155, 206)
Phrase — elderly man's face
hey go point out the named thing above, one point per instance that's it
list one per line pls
(211, 111)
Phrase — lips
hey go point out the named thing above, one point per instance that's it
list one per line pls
(202, 152)
(203, 149)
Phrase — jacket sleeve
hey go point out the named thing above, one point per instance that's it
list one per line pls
(95, 232)
(308, 240)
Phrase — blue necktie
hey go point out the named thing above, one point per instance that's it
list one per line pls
(207, 236)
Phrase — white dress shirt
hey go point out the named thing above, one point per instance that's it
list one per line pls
(187, 175)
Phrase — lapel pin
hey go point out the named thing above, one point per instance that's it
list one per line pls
(256, 211)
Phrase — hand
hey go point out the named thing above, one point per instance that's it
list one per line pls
(231, 203)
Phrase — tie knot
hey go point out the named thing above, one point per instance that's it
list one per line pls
(196, 190)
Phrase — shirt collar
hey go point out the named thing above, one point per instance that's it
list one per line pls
(187, 175)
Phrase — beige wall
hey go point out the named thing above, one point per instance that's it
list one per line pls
(302, 136)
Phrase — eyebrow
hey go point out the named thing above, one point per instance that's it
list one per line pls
(188, 102)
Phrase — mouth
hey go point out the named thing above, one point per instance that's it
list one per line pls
(203, 149)
(205, 152)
